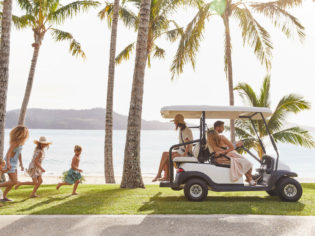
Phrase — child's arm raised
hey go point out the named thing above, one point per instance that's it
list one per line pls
(21, 163)
(36, 161)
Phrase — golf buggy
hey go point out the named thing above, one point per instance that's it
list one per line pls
(199, 173)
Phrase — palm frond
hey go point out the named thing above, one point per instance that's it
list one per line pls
(280, 17)
(125, 54)
(174, 34)
(291, 103)
(296, 136)
(288, 3)
(26, 5)
(125, 14)
(129, 18)
(190, 41)
(107, 12)
(158, 52)
(254, 35)
(265, 93)
(75, 47)
(71, 10)
(23, 21)
(247, 93)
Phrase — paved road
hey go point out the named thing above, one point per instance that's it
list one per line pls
(150, 225)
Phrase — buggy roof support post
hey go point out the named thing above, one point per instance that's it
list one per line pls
(272, 140)
(261, 143)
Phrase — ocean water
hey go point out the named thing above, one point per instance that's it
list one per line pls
(153, 143)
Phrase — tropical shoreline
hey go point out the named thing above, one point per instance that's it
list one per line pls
(147, 179)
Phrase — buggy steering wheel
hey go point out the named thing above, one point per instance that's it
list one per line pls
(241, 147)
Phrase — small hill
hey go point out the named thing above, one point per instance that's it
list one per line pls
(77, 119)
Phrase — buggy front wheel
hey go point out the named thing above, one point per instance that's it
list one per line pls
(289, 190)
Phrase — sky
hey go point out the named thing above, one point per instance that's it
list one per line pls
(66, 82)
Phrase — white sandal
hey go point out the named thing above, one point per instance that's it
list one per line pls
(252, 183)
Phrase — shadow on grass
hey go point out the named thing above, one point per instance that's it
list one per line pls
(40, 204)
(85, 203)
(219, 205)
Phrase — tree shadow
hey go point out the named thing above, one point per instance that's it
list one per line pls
(89, 203)
(50, 200)
(159, 204)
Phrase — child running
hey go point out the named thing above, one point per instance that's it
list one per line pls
(74, 174)
(35, 169)
(18, 137)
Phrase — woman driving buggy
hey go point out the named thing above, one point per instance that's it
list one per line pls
(225, 154)
(185, 135)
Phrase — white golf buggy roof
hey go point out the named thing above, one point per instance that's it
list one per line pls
(215, 112)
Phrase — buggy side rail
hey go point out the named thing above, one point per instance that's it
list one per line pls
(170, 156)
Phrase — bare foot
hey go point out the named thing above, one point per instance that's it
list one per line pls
(58, 186)
(18, 184)
(75, 194)
(164, 179)
(156, 178)
(33, 196)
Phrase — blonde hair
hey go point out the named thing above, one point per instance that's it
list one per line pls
(77, 148)
(19, 135)
(214, 138)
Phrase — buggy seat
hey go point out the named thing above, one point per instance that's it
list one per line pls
(213, 158)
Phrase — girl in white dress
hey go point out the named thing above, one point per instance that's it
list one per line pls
(35, 169)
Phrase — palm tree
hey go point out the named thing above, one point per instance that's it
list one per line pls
(253, 33)
(41, 16)
(132, 172)
(288, 104)
(160, 24)
(4, 66)
(108, 145)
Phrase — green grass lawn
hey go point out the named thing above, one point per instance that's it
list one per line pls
(110, 199)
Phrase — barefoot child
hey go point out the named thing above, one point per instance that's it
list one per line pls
(74, 174)
(18, 136)
(35, 168)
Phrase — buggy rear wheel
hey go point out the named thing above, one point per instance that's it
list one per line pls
(196, 190)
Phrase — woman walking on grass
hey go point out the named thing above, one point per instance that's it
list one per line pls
(35, 169)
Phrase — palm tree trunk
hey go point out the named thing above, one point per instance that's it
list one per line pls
(132, 172)
(229, 71)
(108, 146)
(29, 84)
(4, 66)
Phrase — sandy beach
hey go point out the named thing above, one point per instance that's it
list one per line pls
(88, 179)
(101, 179)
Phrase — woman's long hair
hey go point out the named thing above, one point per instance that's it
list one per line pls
(19, 135)
(214, 138)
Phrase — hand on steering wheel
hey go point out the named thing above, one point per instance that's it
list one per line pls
(240, 144)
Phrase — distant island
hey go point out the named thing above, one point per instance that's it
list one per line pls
(77, 119)
(87, 119)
